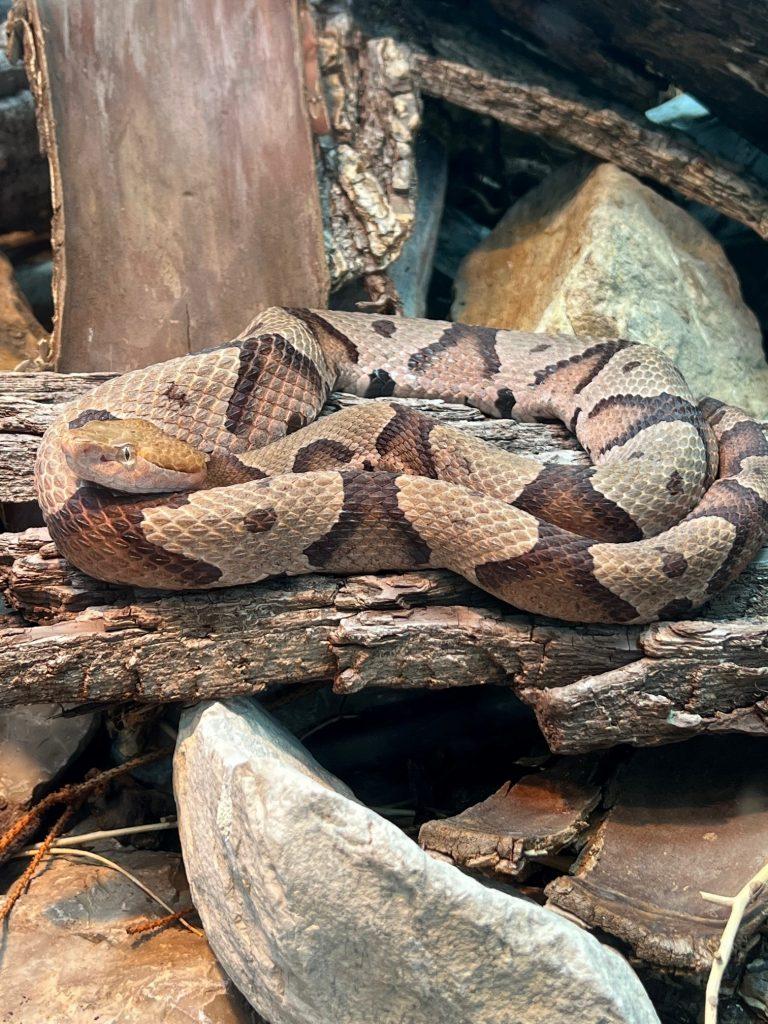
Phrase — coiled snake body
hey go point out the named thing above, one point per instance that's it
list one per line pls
(672, 509)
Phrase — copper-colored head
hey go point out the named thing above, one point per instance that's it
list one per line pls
(133, 456)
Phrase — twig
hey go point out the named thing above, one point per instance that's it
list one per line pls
(99, 858)
(158, 922)
(109, 833)
(72, 794)
(21, 884)
(739, 905)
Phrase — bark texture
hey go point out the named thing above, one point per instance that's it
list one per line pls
(74, 638)
(189, 199)
(367, 172)
(610, 133)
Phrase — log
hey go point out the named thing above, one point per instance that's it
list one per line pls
(189, 200)
(716, 51)
(608, 132)
(590, 686)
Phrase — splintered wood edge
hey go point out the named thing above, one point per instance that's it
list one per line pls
(24, 26)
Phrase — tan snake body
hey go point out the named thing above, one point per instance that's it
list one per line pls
(673, 508)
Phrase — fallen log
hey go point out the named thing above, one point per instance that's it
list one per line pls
(608, 132)
(77, 639)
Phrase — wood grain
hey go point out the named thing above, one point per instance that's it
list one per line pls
(182, 201)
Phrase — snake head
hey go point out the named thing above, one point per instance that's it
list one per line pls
(133, 456)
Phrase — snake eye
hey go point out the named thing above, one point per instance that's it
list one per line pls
(126, 455)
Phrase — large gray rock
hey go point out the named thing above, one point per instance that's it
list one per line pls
(322, 912)
(36, 744)
(596, 252)
(65, 956)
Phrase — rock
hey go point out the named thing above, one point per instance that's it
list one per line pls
(412, 270)
(36, 744)
(594, 251)
(67, 957)
(322, 912)
(22, 338)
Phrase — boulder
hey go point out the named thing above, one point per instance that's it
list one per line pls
(322, 912)
(36, 745)
(66, 955)
(594, 251)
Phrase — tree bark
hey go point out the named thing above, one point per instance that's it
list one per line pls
(76, 639)
(607, 132)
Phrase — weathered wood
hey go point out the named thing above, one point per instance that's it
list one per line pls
(610, 133)
(536, 816)
(591, 686)
(190, 199)
(717, 51)
(367, 173)
(684, 819)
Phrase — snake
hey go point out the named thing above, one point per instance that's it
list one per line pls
(215, 469)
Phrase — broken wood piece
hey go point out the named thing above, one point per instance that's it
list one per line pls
(190, 199)
(610, 133)
(539, 815)
(685, 818)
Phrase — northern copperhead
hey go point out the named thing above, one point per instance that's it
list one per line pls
(674, 507)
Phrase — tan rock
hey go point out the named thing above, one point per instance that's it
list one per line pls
(594, 251)
(66, 956)
(22, 339)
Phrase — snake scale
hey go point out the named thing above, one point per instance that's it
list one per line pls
(673, 507)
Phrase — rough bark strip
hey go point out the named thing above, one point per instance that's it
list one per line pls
(367, 165)
(165, 240)
(609, 133)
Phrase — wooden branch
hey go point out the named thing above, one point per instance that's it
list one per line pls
(591, 686)
(610, 133)
(717, 51)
